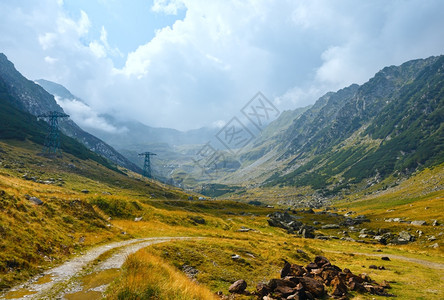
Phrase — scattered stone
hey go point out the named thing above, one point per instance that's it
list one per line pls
(198, 220)
(238, 287)
(330, 226)
(244, 229)
(138, 219)
(373, 267)
(235, 256)
(298, 282)
(435, 223)
(432, 238)
(385, 258)
(85, 191)
(418, 223)
(190, 271)
(435, 245)
(406, 236)
(35, 200)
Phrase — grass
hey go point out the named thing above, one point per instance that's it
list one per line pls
(37, 237)
(146, 276)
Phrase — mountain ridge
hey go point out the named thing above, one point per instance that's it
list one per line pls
(31, 97)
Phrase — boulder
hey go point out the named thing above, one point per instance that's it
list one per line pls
(238, 287)
(330, 226)
(262, 289)
(321, 261)
(35, 200)
(274, 283)
(418, 223)
(339, 287)
(286, 269)
(313, 286)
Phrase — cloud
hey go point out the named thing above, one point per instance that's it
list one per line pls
(170, 7)
(206, 66)
(85, 116)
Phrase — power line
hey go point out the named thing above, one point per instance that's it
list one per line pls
(52, 140)
(147, 164)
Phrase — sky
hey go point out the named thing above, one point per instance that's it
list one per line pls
(185, 64)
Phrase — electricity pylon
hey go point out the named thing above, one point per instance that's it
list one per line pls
(52, 140)
(147, 164)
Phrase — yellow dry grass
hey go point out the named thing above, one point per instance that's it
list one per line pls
(146, 276)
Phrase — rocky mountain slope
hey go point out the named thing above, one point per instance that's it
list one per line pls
(390, 126)
(30, 97)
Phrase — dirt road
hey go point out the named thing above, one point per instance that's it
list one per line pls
(67, 281)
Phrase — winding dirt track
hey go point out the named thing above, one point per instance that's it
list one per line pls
(425, 263)
(64, 278)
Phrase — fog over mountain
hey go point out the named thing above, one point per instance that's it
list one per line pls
(187, 64)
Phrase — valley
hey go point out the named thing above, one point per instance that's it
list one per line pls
(342, 199)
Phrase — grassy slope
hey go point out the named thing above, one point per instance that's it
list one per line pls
(51, 232)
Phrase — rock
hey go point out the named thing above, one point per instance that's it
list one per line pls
(330, 226)
(262, 289)
(244, 229)
(284, 291)
(373, 267)
(435, 245)
(190, 271)
(238, 287)
(321, 261)
(35, 200)
(313, 286)
(418, 223)
(235, 257)
(435, 223)
(307, 232)
(432, 238)
(198, 220)
(274, 283)
(85, 191)
(404, 235)
(385, 258)
(137, 219)
(286, 269)
(339, 287)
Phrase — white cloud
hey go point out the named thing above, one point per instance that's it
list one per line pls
(170, 7)
(208, 65)
(50, 60)
(85, 116)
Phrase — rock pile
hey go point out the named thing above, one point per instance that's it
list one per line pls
(290, 223)
(312, 282)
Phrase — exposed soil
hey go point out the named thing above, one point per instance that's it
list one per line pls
(82, 276)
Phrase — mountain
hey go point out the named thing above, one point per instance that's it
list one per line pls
(175, 149)
(28, 96)
(391, 125)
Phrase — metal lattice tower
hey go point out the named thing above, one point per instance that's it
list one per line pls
(147, 164)
(52, 140)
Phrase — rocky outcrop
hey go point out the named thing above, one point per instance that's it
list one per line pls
(313, 281)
